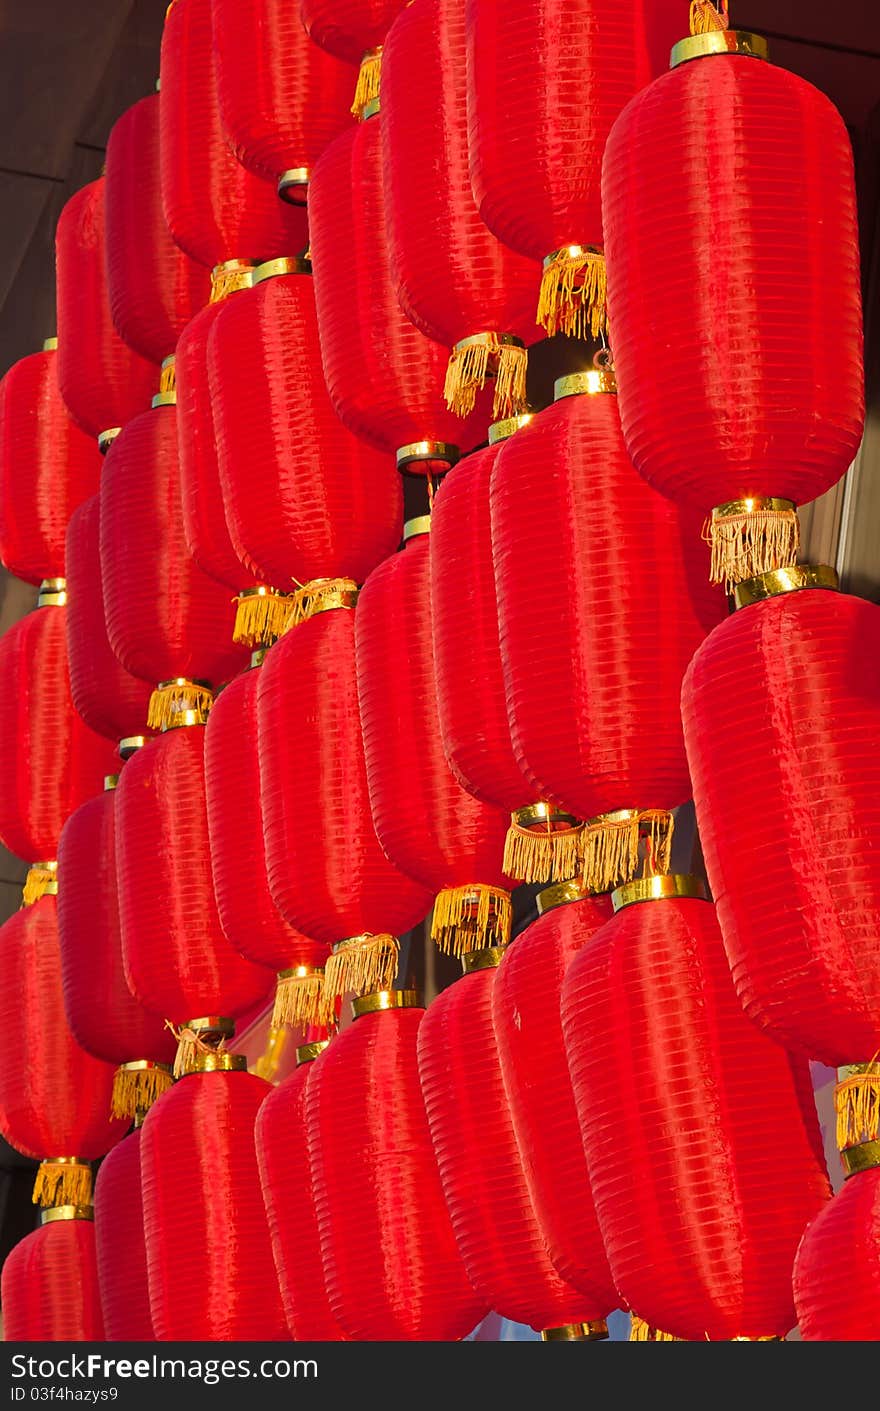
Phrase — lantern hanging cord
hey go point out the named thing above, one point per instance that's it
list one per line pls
(706, 17)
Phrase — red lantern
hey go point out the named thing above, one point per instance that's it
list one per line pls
(729, 398)
(354, 30)
(456, 282)
(498, 1234)
(531, 1053)
(50, 1282)
(593, 680)
(120, 1245)
(546, 80)
(428, 825)
(47, 467)
(683, 1104)
(392, 1268)
(283, 1157)
(281, 100)
(794, 859)
(103, 382)
(203, 1211)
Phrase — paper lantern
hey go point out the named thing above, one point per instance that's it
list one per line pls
(433, 830)
(47, 467)
(49, 1287)
(787, 806)
(456, 282)
(729, 400)
(683, 1104)
(392, 1269)
(120, 1245)
(354, 31)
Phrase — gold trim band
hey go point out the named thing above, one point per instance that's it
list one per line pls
(129, 745)
(416, 451)
(478, 340)
(561, 894)
(719, 41)
(216, 1062)
(293, 185)
(52, 593)
(663, 888)
(307, 1053)
(785, 580)
(414, 527)
(110, 782)
(369, 110)
(863, 1157)
(589, 383)
(107, 437)
(594, 1331)
(482, 959)
(67, 1212)
(50, 345)
(500, 430)
(287, 264)
(386, 999)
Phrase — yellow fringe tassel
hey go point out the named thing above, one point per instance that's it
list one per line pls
(228, 278)
(319, 595)
(179, 702)
(474, 360)
(299, 999)
(260, 616)
(746, 545)
(168, 376)
(857, 1104)
(611, 846)
(643, 1332)
(540, 854)
(135, 1089)
(367, 88)
(471, 918)
(359, 966)
(706, 17)
(573, 292)
(41, 880)
(189, 1043)
(63, 1183)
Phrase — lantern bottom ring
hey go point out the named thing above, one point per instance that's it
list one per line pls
(293, 185)
(594, 1331)
(414, 452)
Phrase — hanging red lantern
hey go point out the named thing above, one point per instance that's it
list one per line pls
(120, 1245)
(285, 1174)
(499, 1237)
(593, 685)
(794, 860)
(730, 400)
(47, 467)
(103, 382)
(389, 1279)
(219, 1231)
(700, 1218)
(429, 826)
(282, 101)
(354, 30)
(49, 1288)
(531, 1053)
(456, 282)
(546, 80)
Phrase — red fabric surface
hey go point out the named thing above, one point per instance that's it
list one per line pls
(54, 1097)
(286, 1178)
(391, 1264)
(327, 871)
(429, 826)
(50, 761)
(349, 27)
(531, 1055)
(837, 1270)
(103, 382)
(120, 1245)
(781, 711)
(602, 600)
(498, 1234)
(49, 1287)
(730, 231)
(154, 288)
(304, 497)
(165, 617)
(216, 210)
(684, 1106)
(281, 99)
(177, 960)
(208, 1253)
(47, 467)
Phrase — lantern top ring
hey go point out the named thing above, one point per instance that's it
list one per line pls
(594, 1331)
(500, 430)
(560, 894)
(307, 1053)
(863, 1157)
(129, 745)
(414, 527)
(785, 580)
(216, 1061)
(110, 782)
(589, 383)
(67, 1212)
(661, 888)
(719, 41)
(485, 959)
(386, 999)
(293, 185)
(415, 451)
(50, 345)
(286, 264)
(107, 437)
(52, 593)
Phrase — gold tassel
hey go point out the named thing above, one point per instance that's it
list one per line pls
(227, 278)
(168, 376)
(472, 918)
(136, 1086)
(261, 615)
(538, 849)
(857, 1104)
(360, 966)
(299, 998)
(63, 1181)
(573, 292)
(611, 846)
(706, 17)
(643, 1332)
(319, 595)
(190, 1043)
(179, 702)
(367, 88)
(747, 542)
(485, 355)
(41, 881)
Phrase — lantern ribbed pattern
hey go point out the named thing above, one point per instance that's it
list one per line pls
(349, 27)
(392, 1268)
(794, 860)
(154, 288)
(498, 1234)
(837, 1270)
(250, 920)
(324, 505)
(203, 1214)
(165, 618)
(177, 960)
(727, 385)
(283, 1156)
(119, 1244)
(216, 210)
(51, 762)
(49, 1288)
(281, 99)
(108, 698)
(47, 467)
(103, 382)
(531, 1053)
(684, 1107)
(54, 1097)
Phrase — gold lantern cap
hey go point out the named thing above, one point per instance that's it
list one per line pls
(561, 894)
(663, 887)
(386, 999)
(785, 580)
(485, 959)
(421, 524)
(719, 41)
(307, 1053)
(293, 185)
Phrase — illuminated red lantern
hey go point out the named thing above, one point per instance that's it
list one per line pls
(392, 1268)
(729, 399)
(683, 1104)
(456, 282)
(47, 467)
(354, 30)
(498, 1234)
(120, 1245)
(793, 859)
(49, 1288)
